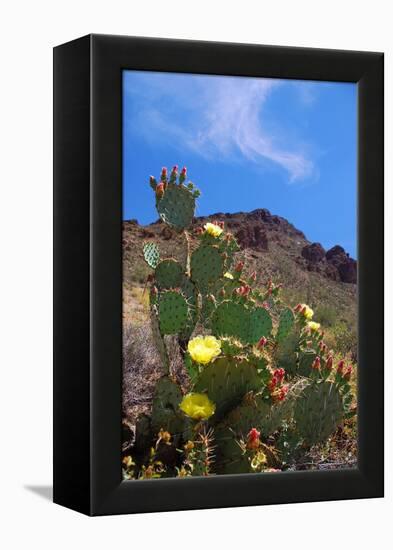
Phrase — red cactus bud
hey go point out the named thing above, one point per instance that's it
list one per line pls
(253, 276)
(273, 383)
(329, 363)
(303, 310)
(160, 189)
(265, 305)
(253, 440)
(239, 266)
(184, 170)
(316, 365)
(154, 291)
(199, 230)
(222, 292)
(298, 308)
(283, 392)
(262, 343)
(279, 374)
(164, 171)
(175, 169)
(348, 372)
(340, 367)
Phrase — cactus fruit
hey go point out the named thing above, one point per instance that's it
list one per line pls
(176, 206)
(168, 274)
(226, 380)
(151, 254)
(318, 412)
(207, 265)
(286, 323)
(172, 312)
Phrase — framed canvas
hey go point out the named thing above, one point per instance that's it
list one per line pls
(217, 342)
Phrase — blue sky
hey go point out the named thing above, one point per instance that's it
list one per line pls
(285, 145)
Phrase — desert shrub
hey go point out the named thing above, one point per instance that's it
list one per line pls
(345, 338)
(325, 314)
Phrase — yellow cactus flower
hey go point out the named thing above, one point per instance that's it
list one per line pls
(307, 312)
(197, 406)
(213, 229)
(313, 326)
(204, 349)
(228, 275)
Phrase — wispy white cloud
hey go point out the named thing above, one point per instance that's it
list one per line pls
(216, 117)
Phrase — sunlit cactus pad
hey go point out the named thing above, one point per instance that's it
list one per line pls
(177, 206)
(151, 254)
(237, 320)
(168, 274)
(172, 312)
(207, 265)
(226, 381)
(287, 320)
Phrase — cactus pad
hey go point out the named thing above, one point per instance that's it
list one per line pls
(256, 412)
(287, 320)
(318, 412)
(207, 265)
(165, 409)
(177, 206)
(259, 324)
(172, 312)
(230, 458)
(306, 359)
(226, 380)
(151, 254)
(230, 319)
(235, 319)
(168, 274)
(286, 352)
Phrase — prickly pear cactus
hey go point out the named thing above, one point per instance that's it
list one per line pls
(287, 320)
(257, 369)
(172, 312)
(226, 381)
(176, 207)
(151, 254)
(165, 409)
(246, 324)
(168, 273)
(207, 265)
(318, 412)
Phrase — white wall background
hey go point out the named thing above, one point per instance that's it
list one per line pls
(28, 31)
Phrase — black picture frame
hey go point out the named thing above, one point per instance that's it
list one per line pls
(88, 273)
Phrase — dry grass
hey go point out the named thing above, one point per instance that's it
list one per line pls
(142, 368)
